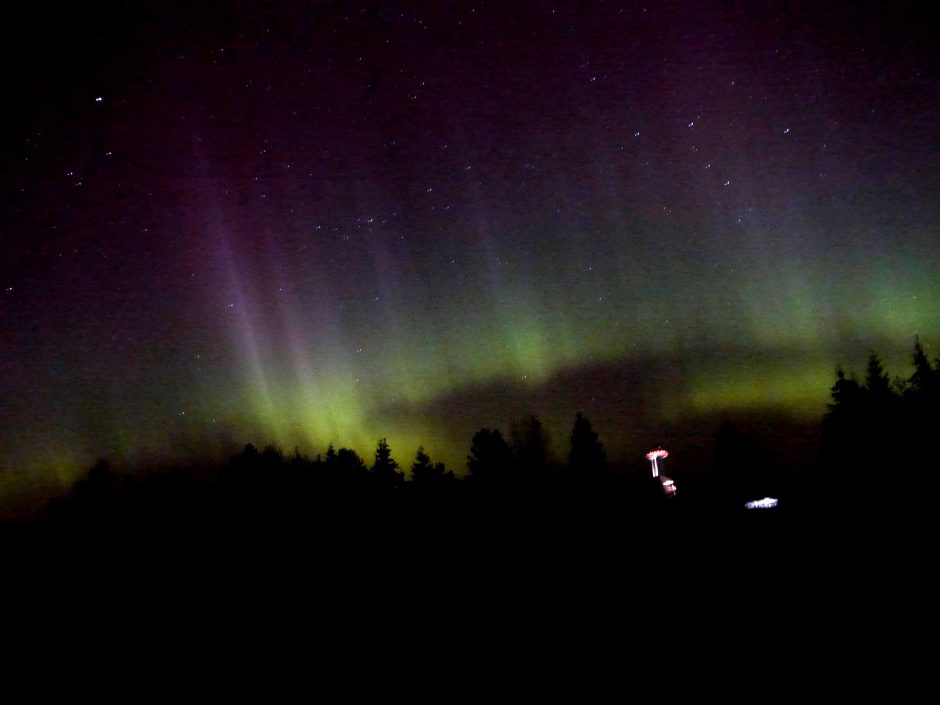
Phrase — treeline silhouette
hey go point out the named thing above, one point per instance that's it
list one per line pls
(517, 501)
(878, 443)
(530, 533)
(267, 485)
(876, 454)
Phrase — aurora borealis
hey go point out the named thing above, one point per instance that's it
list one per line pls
(306, 223)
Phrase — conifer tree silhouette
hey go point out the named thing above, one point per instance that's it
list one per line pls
(385, 468)
(587, 459)
(490, 456)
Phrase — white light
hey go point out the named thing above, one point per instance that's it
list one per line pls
(653, 455)
(765, 503)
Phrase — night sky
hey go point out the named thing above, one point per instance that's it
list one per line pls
(311, 222)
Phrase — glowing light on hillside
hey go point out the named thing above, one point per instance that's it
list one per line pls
(655, 455)
(765, 503)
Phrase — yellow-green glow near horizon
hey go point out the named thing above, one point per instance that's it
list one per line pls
(802, 392)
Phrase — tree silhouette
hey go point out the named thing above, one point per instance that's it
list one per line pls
(95, 496)
(343, 469)
(841, 425)
(882, 423)
(922, 413)
(867, 424)
(347, 465)
(428, 475)
(385, 468)
(530, 450)
(330, 455)
(924, 383)
(490, 457)
(587, 460)
(847, 394)
(877, 385)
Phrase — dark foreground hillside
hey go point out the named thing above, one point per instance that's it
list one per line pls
(366, 584)
(619, 534)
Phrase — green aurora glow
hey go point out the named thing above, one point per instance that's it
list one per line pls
(323, 236)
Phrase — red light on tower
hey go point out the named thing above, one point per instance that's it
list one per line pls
(655, 455)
